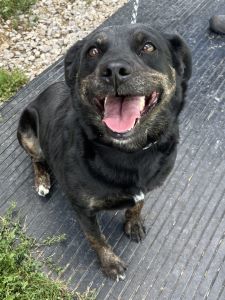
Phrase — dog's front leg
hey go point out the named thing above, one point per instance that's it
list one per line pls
(134, 225)
(111, 264)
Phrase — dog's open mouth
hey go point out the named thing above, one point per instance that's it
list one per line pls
(121, 114)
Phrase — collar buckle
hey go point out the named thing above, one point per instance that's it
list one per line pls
(149, 145)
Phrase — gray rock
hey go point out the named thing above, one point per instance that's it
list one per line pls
(217, 24)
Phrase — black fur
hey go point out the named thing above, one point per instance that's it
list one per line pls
(95, 167)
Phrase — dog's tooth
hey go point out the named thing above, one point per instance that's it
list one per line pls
(155, 96)
(142, 103)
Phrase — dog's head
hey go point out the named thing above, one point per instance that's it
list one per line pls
(128, 82)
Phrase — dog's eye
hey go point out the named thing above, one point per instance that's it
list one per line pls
(93, 52)
(148, 48)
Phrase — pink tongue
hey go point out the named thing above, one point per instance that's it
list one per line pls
(121, 113)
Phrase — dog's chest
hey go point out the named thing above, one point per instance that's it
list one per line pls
(120, 172)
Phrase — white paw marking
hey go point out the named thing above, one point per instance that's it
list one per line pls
(139, 197)
(120, 277)
(42, 190)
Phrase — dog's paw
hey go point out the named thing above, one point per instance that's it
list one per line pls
(135, 229)
(113, 266)
(42, 190)
(42, 184)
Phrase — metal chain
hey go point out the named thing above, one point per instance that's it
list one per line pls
(134, 12)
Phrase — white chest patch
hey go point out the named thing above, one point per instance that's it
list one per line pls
(139, 197)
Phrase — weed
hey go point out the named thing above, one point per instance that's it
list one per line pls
(21, 276)
(9, 8)
(88, 2)
(10, 82)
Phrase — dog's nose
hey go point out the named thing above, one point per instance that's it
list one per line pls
(117, 72)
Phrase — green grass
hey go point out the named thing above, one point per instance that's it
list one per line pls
(88, 2)
(21, 276)
(10, 82)
(9, 8)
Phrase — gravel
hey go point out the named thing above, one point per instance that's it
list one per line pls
(44, 35)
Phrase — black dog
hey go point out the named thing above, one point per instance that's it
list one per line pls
(110, 132)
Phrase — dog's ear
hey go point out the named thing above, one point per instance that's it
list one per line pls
(181, 56)
(72, 61)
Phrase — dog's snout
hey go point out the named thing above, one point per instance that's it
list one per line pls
(116, 72)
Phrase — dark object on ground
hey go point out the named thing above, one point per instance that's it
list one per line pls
(110, 134)
(217, 24)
